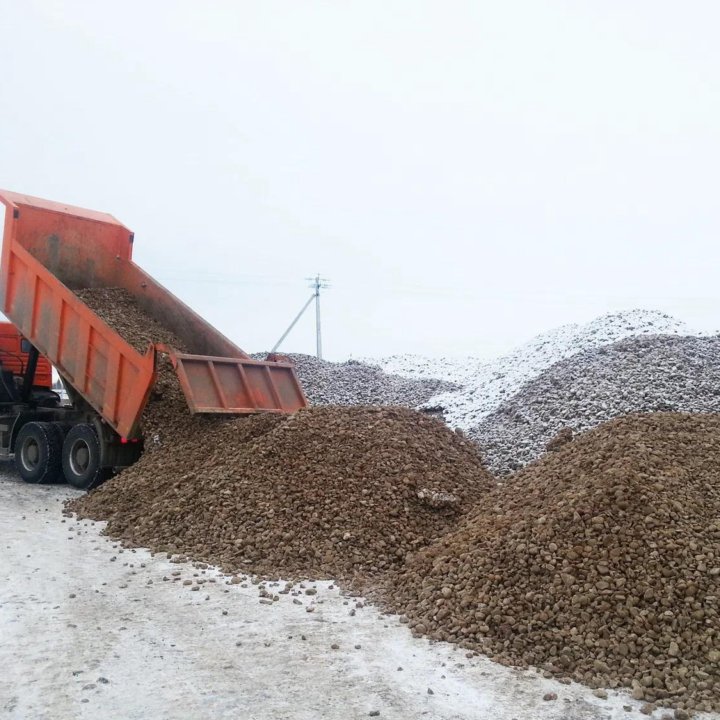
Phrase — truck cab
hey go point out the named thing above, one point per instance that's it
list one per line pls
(25, 375)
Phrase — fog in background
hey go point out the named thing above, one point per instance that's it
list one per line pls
(467, 174)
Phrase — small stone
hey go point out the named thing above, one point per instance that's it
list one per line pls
(334, 646)
(647, 709)
(103, 680)
(550, 696)
(430, 691)
(374, 713)
(599, 693)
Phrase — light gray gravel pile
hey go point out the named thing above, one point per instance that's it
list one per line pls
(641, 374)
(357, 383)
(485, 384)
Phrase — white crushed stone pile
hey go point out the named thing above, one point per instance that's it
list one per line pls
(357, 383)
(642, 374)
(486, 384)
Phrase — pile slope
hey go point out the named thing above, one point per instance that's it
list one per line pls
(600, 563)
(332, 491)
(166, 414)
(487, 383)
(641, 374)
(357, 383)
(328, 492)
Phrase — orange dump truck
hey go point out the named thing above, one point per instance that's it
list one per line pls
(51, 250)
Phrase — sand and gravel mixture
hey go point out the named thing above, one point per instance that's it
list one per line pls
(599, 563)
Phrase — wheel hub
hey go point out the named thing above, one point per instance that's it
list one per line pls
(79, 457)
(30, 455)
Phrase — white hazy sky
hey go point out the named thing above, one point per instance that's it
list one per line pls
(466, 173)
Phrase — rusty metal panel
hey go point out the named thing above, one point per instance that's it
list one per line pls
(237, 385)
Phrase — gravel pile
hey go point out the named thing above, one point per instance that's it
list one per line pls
(642, 374)
(358, 383)
(167, 414)
(485, 384)
(328, 492)
(334, 492)
(120, 310)
(599, 563)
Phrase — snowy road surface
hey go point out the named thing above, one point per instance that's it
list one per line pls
(89, 630)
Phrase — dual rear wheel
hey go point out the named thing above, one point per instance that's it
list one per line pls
(45, 454)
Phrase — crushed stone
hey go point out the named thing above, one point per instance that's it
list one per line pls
(327, 492)
(599, 563)
(358, 383)
(641, 374)
(485, 384)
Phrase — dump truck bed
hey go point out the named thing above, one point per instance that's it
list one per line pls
(51, 250)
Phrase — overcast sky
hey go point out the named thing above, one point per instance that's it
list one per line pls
(467, 174)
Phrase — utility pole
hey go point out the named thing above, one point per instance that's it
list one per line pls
(317, 283)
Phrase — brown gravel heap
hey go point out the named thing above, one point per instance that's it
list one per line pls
(338, 492)
(167, 413)
(119, 309)
(328, 492)
(600, 563)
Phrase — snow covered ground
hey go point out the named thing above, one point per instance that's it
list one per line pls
(89, 630)
(487, 383)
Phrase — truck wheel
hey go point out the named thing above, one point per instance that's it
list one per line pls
(81, 457)
(38, 453)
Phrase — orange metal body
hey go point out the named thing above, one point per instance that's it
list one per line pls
(14, 359)
(49, 250)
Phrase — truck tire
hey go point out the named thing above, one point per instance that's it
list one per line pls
(81, 456)
(38, 453)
